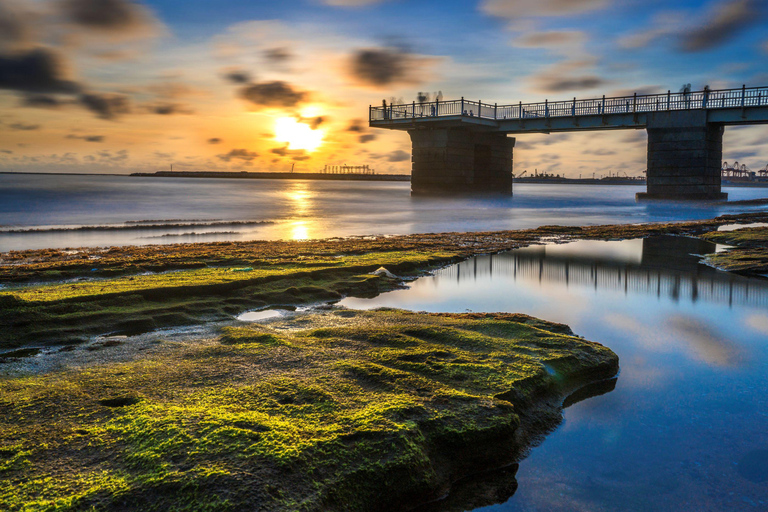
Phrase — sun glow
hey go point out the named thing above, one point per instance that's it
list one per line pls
(297, 135)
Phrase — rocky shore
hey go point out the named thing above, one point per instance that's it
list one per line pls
(328, 410)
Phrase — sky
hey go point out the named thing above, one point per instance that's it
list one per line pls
(121, 86)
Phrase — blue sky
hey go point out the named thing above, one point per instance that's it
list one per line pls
(122, 86)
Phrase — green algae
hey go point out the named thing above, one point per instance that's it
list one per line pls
(65, 313)
(748, 257)
(349, 411)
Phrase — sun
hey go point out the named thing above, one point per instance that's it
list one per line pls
(297, 135)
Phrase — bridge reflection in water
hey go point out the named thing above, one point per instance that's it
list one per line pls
(648, 270)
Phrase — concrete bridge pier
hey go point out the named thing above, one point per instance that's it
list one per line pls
(684, 156)
(460, 160)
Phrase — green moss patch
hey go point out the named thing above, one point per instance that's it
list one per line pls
(350, 411)
(750, 254)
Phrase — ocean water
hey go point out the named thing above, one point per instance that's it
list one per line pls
(686, 427)
(124, 210)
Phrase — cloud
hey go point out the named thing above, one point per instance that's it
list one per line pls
(294, 154)
(214, 140)
(24, 127)
(40, 70)
(635, 137)
(758, 322)
(238, 154)
(367, 137)
(87, 138)
(724, 22)
(351, 3)
(279, 55)
(574, 83)
(706, 342)
(357, 126)
(167, 109)
(118, 18)
(108, 157)
(599, 152)
(15, 26)
(172, 90)
(399, 156)
(43, 101)
(106, 106)
(567, 76)
(238, 76)
(379, 67)
(6, 151)
(315, 122)
(663, 25)
(551, 39)
(273, 94)
(512, 9)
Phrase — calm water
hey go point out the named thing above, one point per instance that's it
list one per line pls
(298, 209)
(686, 427)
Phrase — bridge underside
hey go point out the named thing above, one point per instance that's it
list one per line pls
(460, 160)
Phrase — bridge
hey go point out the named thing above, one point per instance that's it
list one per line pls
(463, 145)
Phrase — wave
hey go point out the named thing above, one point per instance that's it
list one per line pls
(193, 233)
(139, 225)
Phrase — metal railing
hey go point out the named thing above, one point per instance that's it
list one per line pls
(743, 97)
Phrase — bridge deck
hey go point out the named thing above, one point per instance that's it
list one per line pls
(746, 105)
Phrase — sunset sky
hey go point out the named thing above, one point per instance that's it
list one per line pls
(116, 86)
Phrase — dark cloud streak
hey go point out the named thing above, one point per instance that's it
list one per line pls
(238, 154)
(724, 22)
(36, 71)
(113, 16)
(273, 94)
(106, 106)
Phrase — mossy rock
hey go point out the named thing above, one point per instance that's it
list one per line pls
(372, 410)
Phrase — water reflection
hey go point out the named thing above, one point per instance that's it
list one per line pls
(689, 408)
(642, 266)
(300, 208)
(500, 484)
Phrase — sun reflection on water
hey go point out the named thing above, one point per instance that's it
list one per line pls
(299, 231)
(299, 197)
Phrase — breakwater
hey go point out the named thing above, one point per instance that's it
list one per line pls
(274, 175)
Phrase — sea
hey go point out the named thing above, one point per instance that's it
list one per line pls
(39, 211)
(683, 427)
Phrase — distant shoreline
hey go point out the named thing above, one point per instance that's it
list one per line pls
(361, 177)
(274, 175)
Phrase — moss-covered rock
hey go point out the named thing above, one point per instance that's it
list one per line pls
(337, 411)
(749, 256)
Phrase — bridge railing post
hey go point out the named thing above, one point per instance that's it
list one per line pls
(520, 110)
(634, 103)
(546, 108)
(669, 98)
(413, 110)
(602, 107)
(437, 107)
(743, 94)
(462, 106)
(495, 110)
